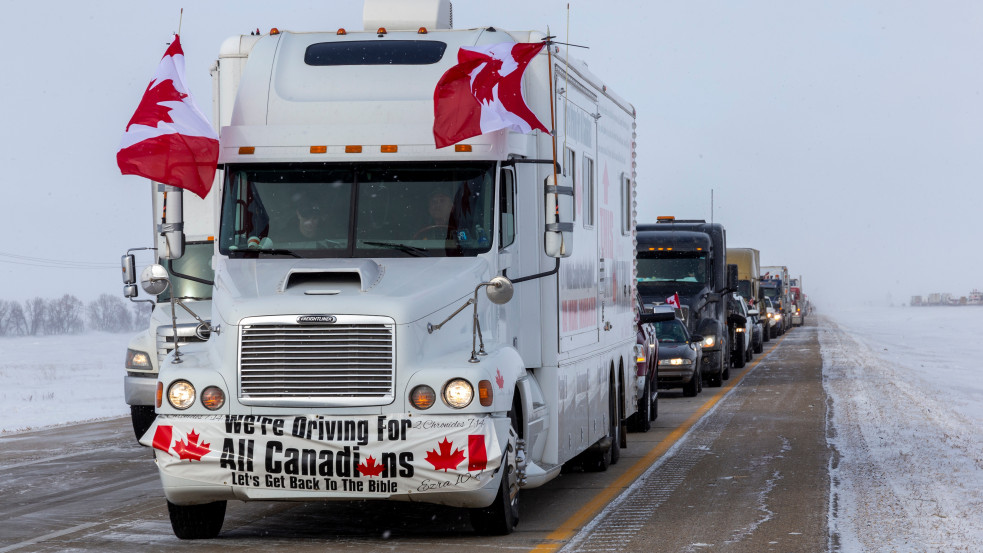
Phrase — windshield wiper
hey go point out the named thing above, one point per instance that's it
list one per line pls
(412, 250)
(251, 253)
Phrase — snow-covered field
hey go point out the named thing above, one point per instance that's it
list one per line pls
(52, 380)
(906, 419)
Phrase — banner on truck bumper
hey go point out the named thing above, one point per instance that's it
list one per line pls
(363, 455)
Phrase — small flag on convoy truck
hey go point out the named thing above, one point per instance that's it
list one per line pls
(673, 300)
(483, 93)
(168, 139)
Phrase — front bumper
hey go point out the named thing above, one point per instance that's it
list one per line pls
(449, 460)
(140, 388)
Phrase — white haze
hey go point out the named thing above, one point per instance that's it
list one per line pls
(840, 138)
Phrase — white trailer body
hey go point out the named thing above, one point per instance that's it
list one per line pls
(555, 378)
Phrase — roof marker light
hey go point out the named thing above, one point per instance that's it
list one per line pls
(353, 149)
(274, 31)
(422, 31)
(247, 150)
(388, 148)
(342, 31)
(381, 31)
(462, 147)
(319, 149)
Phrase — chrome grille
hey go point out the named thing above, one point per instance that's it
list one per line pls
(348, 363)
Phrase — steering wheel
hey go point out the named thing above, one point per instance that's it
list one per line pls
(428, 228)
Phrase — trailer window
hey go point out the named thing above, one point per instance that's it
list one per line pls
(370, 52)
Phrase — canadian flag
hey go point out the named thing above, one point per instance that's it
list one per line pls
(483, 93)
(168, 139)
(673, 300)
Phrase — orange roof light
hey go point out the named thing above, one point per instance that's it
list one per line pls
(274, 31)
(665, 218)
(381, 31)
(342, 31)
(353, 149)
(388, 148)
(462, 147)
(421, 31)
(247, 150)
(319, 149)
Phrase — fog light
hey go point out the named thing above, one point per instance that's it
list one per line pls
(213, 398)
(181, 394)
(422, 397)
(458, 393)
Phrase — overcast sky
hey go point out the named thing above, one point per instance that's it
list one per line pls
(840, 138)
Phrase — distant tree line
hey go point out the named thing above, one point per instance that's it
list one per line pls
(69, 315)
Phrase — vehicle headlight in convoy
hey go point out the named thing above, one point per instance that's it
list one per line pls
(422, 397)
(181, 394)
(709, 341)
(213, 398)
(739, 329)
(778, 316)
(137, 360)
(676, 361)
(458, 393)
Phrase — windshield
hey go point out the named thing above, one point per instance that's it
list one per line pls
(370, 210)
(670, 332)
(666, 273)
(771, 292)
(196, 262)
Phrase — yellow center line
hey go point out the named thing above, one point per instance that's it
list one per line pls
(562, 534)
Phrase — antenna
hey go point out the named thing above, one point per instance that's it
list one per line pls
(711, 206)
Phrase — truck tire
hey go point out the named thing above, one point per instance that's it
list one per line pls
(197, 522)
(641, 421)
(501, 517)
(759, 347)
(597, 459)
(740, 358)
(691, 388)
(142, 416)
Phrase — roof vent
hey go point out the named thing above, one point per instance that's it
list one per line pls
(407, 15)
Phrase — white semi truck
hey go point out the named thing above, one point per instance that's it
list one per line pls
(367, 343)
(191, 276)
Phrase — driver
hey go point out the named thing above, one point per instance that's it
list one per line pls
(441, 225)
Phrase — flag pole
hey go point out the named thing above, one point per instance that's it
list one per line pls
(549, 61)
(180, 20)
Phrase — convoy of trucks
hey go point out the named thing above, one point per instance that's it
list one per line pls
(325, 330)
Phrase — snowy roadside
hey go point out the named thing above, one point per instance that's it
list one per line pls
(905, 421)
(56, 380)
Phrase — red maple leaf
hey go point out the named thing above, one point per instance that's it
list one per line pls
(499, 380)
(192, 448)
(150, 111)
(445, 459)
(369, 468)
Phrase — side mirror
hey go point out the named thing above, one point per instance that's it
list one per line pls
(559, 219)
(696, 339)
(656, 317)
(736, 320)
(129, 269)
(499, 290)
(732, 277)
(154, 280)
(173, 227)
(753, 312)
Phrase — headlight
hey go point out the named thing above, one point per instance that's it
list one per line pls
(458, 393)
(181, 394)
(778, 316)
(676, 361)
(739, 329)
(422, 397)
(137, 360)
(709, 341)
(213, 398)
